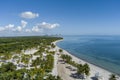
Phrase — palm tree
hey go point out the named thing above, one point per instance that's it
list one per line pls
(40, 73)
(80, 69)
(32, 73)
(18, 51)
(113, 77)
(26, 61)
(7, 67)
(60, 50)
(66, 58)
(86, 69)
(52, 45)
(83, 69)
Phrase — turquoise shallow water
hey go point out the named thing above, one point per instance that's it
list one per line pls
(103, 51)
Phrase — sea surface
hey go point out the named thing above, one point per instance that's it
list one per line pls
(103, 51)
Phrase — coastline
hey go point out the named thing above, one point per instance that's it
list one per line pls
(105, 74)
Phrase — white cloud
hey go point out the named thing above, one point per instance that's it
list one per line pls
(17, 29)
(29, 15)
(36, 29)
(27, 30)
(23, 24)
(43, 27)
(2, 28)
(9, 26)
(47, 25)
(20, 28)
(40, 27)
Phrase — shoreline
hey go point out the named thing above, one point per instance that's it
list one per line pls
(91, 63)
(94, 68)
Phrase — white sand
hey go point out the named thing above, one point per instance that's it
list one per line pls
(30, 51)
(54, 71)
(64, 73)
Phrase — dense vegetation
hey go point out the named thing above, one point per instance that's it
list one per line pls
(38, 69)
(8, 45)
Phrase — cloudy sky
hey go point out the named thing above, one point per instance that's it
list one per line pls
(67, 17)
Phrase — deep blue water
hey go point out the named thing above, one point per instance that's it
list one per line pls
(103, 51)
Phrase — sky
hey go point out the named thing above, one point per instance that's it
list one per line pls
(66, 17)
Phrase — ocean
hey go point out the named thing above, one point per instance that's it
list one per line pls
(103, 51)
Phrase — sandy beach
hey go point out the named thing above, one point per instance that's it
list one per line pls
(65, 73)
